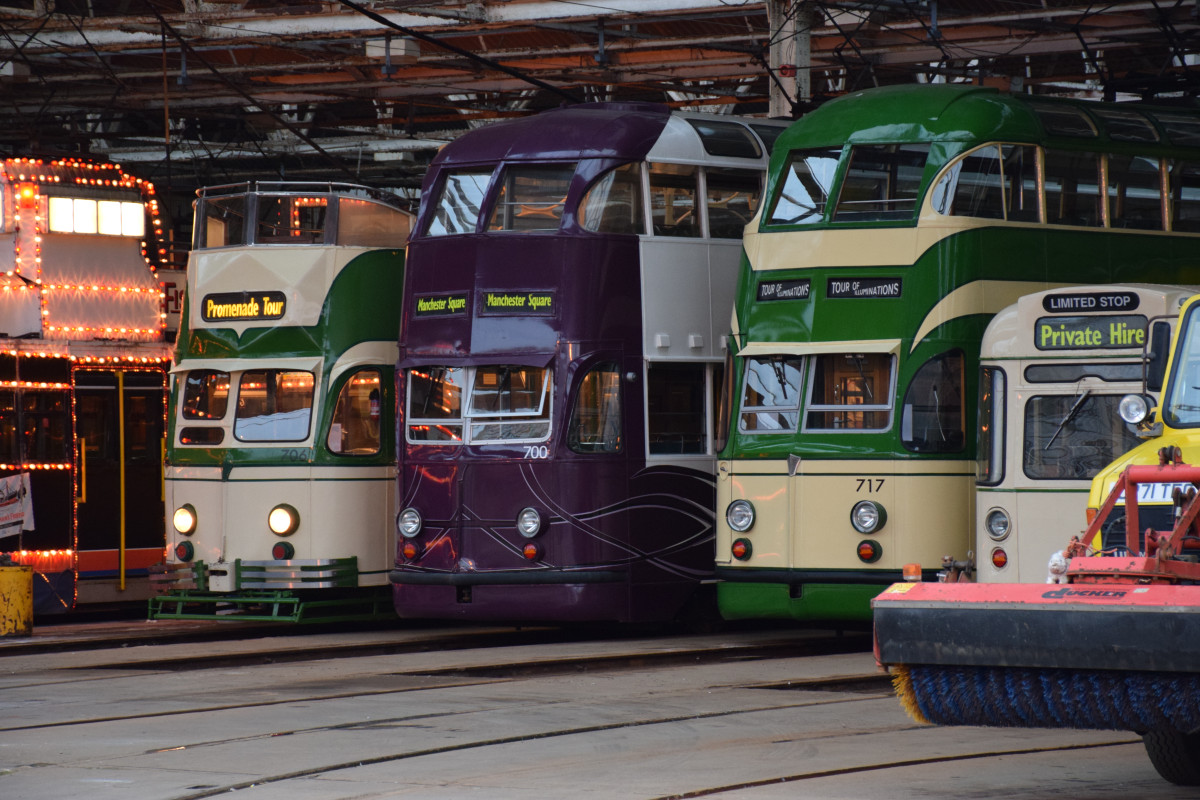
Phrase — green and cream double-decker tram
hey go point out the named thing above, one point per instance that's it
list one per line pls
(281, 450)
(897, 222)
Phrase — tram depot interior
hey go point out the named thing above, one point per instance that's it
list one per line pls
(186, 94)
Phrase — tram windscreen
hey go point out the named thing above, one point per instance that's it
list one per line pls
(807, 184)
(1073, 436)
(273, 405)
(1181, 406)
(771, 394)
(205, 394)
(510, 403)
(435, 404)
(850, 391)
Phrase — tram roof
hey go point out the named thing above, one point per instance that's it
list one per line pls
(589, 130)
(960, 112)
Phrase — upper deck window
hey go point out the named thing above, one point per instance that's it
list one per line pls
(768, 134)
(1073, 188)
(1063, 120)
(726, 139)
(807, 183)
(362, 223)
(531, 198)
(291, 220)
(732, 199)
(459, 202)
(1135, 196)
(1181, 130)
(613, 204)
(882, 182)
(1185, 195)
(673, 190)
(993, 182)
(107, 217)
(1126, 126)
(224, 222)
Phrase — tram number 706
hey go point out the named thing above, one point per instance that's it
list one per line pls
(869, 485)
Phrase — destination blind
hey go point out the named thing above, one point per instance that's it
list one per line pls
(1080, 333)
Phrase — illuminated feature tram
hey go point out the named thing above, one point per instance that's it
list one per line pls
(570, 284)
(898, 221)
(280, 458)
(82, 380)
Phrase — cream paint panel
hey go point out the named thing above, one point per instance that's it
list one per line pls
(303, 274)
(202, 488)
(770, 534)
(928, 517)
(778, 466)
(365, 353)
(833, 248)
(1042, 524)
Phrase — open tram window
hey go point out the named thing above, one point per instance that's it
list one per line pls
(731, 198)
(992, 182)
(1073, 188)
(1135, 196)
(354, 428)
(771, 394)
(223, 223)
(989, 465)
(850, 392)
(882, 182)
(289, 219)
(613, 204)
(807, 187)
(531, 198)
(595, 425)
(435, 404)
(273, 405)
(1073, 436)
(673, 190)
(1185, 196)
(676, 399)
(932, 419)
(509, 404)
(459, 202)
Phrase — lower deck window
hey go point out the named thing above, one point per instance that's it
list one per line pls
(354, 429)
(677, 405)
(595, 425)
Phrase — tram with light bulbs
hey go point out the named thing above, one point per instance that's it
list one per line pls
(570, 282)
(280, 474)
(83, 376)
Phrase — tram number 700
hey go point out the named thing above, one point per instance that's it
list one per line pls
(535, 451)
(869, 485)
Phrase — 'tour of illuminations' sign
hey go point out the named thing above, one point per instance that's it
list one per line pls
(784, 290)
(232, 306)
(857, 288)
(1077, 333)
(536, 303)
(437, 305)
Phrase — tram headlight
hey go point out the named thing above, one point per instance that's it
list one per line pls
(997, 524)
(283, 520)
(1134, 408)
(867, 516)
(529, 522)
(740, 515)
(409, 522)
(184, 519)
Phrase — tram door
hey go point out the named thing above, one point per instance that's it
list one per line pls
(119, 431)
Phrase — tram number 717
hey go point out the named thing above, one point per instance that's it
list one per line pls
(869, 485)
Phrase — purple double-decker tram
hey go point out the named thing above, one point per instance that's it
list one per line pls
(570, 286)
